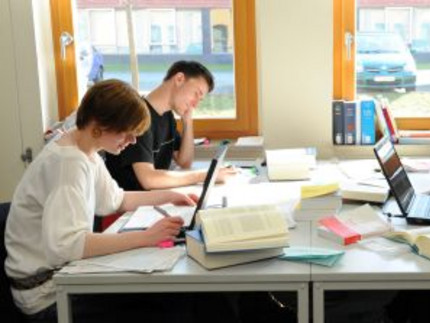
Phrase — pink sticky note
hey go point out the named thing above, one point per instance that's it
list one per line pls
(166, 244)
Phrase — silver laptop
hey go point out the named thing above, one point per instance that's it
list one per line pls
(413, 206)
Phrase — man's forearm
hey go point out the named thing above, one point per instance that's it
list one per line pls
(185, 155)
(159, 179)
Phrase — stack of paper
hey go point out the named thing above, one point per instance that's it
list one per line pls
(318, 256)
(143, 260)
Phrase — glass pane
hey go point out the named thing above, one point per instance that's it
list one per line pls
(163, 33)
(393, 54)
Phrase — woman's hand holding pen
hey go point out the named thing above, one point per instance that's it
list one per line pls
(165, 229)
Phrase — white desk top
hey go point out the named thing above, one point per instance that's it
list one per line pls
(187, 271)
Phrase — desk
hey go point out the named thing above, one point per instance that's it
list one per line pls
(362, 269)
(188, 276)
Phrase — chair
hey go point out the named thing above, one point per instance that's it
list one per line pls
(8, 309)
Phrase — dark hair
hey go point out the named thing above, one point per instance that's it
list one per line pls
(115, 106)
(191, 69)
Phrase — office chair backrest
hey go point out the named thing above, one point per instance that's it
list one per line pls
(8, 310)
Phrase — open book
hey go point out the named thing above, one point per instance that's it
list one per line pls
(243, 228)
(418, 239)
(353, 225)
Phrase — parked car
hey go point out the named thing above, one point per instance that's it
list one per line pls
(383, 61)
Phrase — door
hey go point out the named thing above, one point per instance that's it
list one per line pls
(11, 167)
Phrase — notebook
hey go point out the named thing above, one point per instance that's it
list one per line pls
(413, 206)
(145, 216)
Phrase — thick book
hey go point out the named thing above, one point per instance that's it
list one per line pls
(196, 250)
(358, 130)
(349, 130)
(367, 122)
(414, 140)
(366, 193)
(290, 164)
(243, 228)
(337, 111)
(418, 239)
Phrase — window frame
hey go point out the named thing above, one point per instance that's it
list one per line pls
(245, 63)
(344, 17)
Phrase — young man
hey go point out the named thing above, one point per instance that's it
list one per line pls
(145, 165)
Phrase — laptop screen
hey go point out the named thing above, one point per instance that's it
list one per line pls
(395, 173)
(210, 179)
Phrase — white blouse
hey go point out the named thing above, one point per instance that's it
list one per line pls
(52, 210)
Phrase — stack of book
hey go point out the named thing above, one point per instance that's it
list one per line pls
(236, 235)
(414, 137)
(353, 122)
(365, 193)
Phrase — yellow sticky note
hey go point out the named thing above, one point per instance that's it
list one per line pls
(308, 191)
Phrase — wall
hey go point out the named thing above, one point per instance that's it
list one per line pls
(294, 42)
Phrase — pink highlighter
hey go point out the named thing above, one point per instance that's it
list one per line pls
(166, 244)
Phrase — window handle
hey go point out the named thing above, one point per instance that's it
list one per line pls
(349, 39)
(65, 40)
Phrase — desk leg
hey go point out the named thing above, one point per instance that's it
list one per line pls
(318, 303)
(64, 313)
(303, 303)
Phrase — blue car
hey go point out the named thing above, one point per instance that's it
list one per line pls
(383, 61)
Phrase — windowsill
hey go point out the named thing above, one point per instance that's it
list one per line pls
(366, 151)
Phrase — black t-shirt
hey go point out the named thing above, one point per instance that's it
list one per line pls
(155, 146)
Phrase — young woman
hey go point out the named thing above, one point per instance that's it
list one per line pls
(52, 212)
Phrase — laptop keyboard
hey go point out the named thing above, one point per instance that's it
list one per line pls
(421, 206)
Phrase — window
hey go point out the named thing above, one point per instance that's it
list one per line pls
(390, 56)
(220, 34)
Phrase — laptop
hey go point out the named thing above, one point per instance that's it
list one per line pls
(145, 216)
(413, 206)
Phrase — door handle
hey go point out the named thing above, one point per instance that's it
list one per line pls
(65, 40)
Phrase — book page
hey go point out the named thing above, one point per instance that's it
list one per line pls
(242, 223)
(145, 216)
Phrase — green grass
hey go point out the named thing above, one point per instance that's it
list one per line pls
(217, 105)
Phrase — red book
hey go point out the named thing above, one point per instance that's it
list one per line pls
(347, 235)
(389, 119)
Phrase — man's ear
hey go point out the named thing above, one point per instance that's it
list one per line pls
(179, 78)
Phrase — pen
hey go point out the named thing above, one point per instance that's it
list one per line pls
(162, 211)
(165, 243)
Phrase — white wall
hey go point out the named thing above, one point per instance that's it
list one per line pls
(294, 48)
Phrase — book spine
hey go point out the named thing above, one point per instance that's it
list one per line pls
(392, 128)
(337, 227)
(358, 128)
(382, 124)
(349, 123)
(338, 138)
(367, 122)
